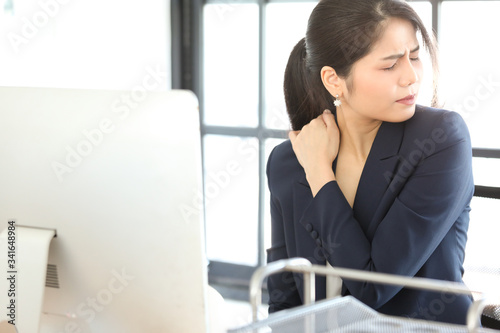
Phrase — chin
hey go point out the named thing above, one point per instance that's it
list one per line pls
(399, 116)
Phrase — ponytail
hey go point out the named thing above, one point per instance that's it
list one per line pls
(305, 96)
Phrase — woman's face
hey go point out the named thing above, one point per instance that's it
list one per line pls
(385, 83)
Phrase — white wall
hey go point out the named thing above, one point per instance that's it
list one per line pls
(93, 44)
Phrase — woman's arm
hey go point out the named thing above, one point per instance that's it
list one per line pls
(283, 292)
(431, 201)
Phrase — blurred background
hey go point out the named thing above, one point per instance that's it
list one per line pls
(232, 54)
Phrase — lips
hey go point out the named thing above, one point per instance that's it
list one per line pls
(408, 100)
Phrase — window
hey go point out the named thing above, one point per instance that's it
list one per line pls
(245, 49)
(471, 86)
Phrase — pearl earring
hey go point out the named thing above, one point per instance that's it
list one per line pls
(337, 101)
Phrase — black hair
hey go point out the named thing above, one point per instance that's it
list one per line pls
(339, 33)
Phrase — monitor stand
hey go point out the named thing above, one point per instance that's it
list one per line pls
(24, 255)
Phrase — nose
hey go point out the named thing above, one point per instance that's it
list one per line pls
(409, 75)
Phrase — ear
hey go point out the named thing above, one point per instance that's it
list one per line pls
(331, 80)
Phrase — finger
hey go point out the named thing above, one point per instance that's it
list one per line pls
(328, 118)
(292, 135)
(316, 122)
(319, 119)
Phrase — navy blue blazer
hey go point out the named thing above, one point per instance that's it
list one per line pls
(410, 217)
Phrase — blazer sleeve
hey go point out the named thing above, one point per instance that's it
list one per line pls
(433, 197)
(283, 292)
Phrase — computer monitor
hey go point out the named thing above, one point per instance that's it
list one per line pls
(116, 176)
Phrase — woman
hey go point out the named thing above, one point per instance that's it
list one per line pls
(378, 183)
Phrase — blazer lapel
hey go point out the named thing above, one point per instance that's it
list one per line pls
(373, 184)
(376, 176)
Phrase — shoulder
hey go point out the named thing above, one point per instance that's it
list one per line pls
(282, 151)
(436, 127)
(283, 165)
(432, 119)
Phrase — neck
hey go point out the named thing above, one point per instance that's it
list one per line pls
(357, 133)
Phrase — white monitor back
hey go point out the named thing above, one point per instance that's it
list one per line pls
(117, 174)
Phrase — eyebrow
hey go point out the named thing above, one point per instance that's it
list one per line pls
(397, 56)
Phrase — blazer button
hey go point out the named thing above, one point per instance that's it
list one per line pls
(309, 227)
(319, 242)
(314, 234)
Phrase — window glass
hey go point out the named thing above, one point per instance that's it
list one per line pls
(470, 85)
(482, 269)
(486, 172)
(469, 66)
(231, 198)
(231, 64)
(282, 33)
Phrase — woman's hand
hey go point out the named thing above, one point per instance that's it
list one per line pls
(316, 147)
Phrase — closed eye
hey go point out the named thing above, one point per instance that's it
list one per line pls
(415, 59)
(390, 68)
